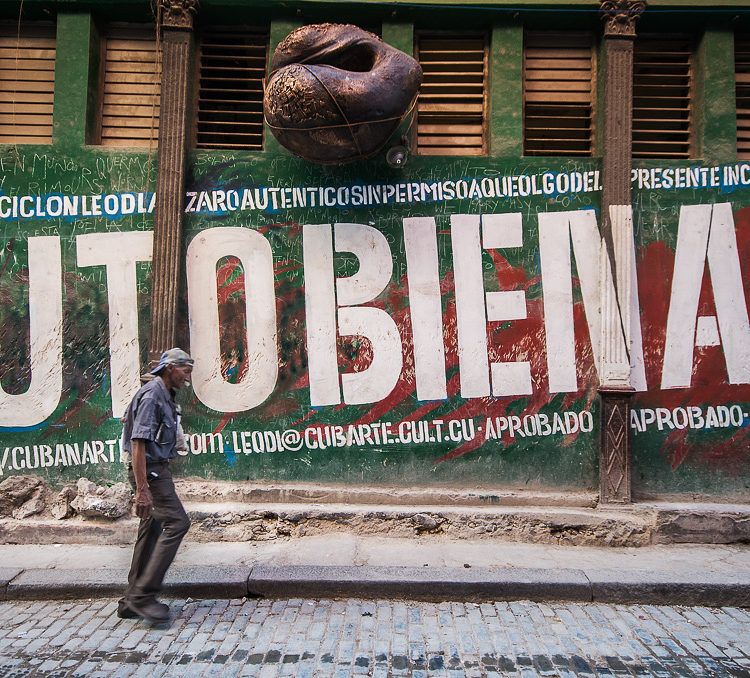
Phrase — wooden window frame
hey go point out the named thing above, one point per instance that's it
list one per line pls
(485, 119)
(261, 32)
(555, 145)
(690, 111)
(34, 94)
(119, 31)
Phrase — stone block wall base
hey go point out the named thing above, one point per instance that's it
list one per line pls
(634, 526)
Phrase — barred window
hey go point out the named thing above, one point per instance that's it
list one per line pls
(662, 96)
(230, 94)
(131, 86)
(452, 103)
(27, 82)
(558, 93)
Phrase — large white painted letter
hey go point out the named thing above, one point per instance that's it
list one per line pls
(556, 230)
(729, 294)
(425, 307)
(474, 308)
(500, 231)
(321, 294)
(375, 268)
(45, 330)
(119, 252)
(621, 316)
(706, 232)
(254, 252)
(320, 315)
(471, 317)
(554, 256)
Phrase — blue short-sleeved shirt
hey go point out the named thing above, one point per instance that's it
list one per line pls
(152, 416)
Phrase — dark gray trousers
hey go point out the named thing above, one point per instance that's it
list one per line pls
(159, 535)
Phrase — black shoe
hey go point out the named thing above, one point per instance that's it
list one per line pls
(124, 611)
(152, 610)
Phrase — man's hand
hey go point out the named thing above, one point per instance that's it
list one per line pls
(144, 502)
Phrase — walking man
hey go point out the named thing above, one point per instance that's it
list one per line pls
(149, 443)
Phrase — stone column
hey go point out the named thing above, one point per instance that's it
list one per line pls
(175, 28)
(618, 258)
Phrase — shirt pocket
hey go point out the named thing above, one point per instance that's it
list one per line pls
(165, 433)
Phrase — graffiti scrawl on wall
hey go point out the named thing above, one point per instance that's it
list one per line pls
(445, 329)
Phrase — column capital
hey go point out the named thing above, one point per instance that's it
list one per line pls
(620, 17)
(177, 13)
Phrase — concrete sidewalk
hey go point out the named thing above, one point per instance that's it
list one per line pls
(428, 568)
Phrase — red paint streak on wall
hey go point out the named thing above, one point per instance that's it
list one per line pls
(720, 454)
(709, 378)
(225, 419)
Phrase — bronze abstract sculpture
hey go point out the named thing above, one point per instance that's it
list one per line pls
(336, 93)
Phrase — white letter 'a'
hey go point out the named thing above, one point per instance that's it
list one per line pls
(45, 329)
(119, 252)
(706, 232)
(254, 252)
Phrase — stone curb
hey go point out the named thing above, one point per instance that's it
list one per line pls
(666, 588)
(38, 584)
(207, 582)
(423, 583)
(428, 583)
(7, 575)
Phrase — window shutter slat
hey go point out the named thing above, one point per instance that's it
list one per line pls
(132, 84)
(451, 106)
(558, 77)
(662, 96)
(230, 91)
(27, 82)
(450, 109)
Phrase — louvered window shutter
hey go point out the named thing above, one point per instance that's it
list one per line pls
(132, 83)
(452, 103)
(230, 97)
(27, 83)
(558, 93)
(742, 92)
(662, 96)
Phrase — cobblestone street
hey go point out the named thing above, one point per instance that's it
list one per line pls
(373, 638)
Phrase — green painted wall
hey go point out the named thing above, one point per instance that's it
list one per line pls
(665, 461)
(715, 130)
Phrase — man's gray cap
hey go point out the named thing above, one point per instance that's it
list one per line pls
(174, 356)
